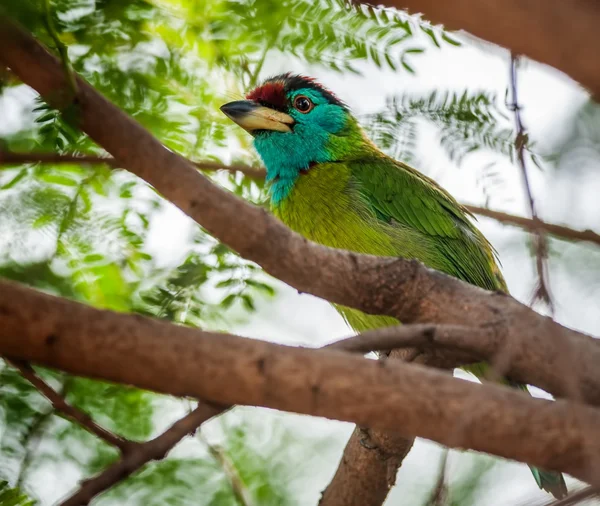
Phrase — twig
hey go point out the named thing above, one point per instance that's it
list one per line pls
(258, 173)
(237, 485)
(154, 449)
(558, 231)
(9, 157)
(576, 497)
(34, 435)
(540, 241)
(60, 404)
(62, 49)
(422, 336)
(439, 497)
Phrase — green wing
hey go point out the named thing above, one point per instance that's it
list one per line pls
(400, 195)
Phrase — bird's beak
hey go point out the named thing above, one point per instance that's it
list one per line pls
(252, 116)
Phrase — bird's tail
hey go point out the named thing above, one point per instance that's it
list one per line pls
(550, 481)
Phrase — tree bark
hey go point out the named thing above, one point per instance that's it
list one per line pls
(392, 286)
(370, 461)
(411, 400)
(558, 33)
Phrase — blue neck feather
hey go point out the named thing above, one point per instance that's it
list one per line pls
(286, 154)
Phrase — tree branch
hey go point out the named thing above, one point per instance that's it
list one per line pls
(367, 470)
(10, 158)
(528, 224)
(540, 241)
(420, 336)
(371, 459)
(527, 27)
(258, 173)
(154, 449)
(227, 370)
(237, 485)
(576, 497)
(70, 412)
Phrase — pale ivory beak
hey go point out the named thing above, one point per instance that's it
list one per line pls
(252, 116)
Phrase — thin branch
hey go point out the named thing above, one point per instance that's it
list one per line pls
(70, 412)
(12, 158)
(154, 449)
(237, 485)
(35, 433)
(258, 173)
(528, 224)
(133, 455)
(576, 497)
(420, 336)
(540, 241)
(439, 496)
(61, 48)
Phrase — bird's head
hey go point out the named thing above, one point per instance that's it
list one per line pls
(296, 123)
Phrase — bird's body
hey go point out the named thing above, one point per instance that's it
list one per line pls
(331, 184)
(334, 204)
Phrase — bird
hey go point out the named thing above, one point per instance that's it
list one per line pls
(330, 183)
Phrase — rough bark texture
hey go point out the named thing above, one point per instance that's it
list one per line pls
(371, 459)
(560, 33)
(365, 476)
(412, 400)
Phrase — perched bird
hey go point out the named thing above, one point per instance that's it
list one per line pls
(330, 183)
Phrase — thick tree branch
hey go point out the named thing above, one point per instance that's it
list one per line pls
(371, 459)
(527, 27)
(258, 173)
(70, 412)
(367, 470)
(154, 449)
(227, 370)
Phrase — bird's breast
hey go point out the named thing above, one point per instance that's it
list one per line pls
(325, 207)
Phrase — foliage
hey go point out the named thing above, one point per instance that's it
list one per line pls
(467, 122)
(13, 496)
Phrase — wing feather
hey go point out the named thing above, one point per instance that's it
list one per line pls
(399, 194)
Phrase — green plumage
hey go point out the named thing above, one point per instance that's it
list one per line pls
(333, 186)
(377, 206)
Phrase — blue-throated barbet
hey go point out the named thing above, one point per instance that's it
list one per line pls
(330, 183)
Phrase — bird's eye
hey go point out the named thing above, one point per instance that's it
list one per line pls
(303, 104)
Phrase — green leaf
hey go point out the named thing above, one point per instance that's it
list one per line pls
(46, 117)
(59, 179)
(22, 174)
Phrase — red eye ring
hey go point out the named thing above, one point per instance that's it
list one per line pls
(303, 104)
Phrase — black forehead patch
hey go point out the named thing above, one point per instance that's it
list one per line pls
(293, 82)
